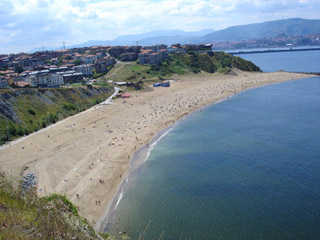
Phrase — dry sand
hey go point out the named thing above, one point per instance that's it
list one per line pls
(89, 154)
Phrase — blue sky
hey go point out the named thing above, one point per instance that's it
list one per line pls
(28, 24)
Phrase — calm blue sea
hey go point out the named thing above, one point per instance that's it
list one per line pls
(245, 168)
(304, 61)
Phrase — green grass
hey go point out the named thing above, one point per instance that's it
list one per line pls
(76, 85)
(180, 64)
(129, 72)
(38, 108)
(25, 216)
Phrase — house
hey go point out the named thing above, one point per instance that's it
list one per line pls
(144, 56)
(118, 50)
(101, 65)
(72, 77)
(130, 56)
(85, 69)
(156, 48)
(154, 59)
(89, 59)
(153, 55)
(21, 84)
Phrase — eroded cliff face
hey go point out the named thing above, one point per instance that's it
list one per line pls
(23, 111)
(7, 107)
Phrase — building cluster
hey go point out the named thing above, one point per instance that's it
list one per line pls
(56, 68)
(279, 41)
(53, 68)
(125, 53)
(153, 55)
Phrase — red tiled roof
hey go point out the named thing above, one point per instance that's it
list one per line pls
(21, 83)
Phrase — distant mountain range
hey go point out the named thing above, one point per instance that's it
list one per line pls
(150, 38)
(270, 29)
(289, 27)
(145, 39)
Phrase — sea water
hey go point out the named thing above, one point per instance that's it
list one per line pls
(304, 61)
(245, 168)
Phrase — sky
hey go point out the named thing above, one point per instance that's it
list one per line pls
(28, 24)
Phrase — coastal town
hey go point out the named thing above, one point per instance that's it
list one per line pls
(281, 41)
(60, 67)
(65, 66)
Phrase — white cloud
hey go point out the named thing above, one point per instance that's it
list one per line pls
(25, 24)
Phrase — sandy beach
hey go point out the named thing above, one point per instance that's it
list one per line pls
(88, 155)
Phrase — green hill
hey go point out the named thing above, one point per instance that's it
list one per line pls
(210, 62)
(23, 111)
(270, 29)
(23, 215)
(181, 64)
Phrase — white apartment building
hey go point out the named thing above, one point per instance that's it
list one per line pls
(86, 70)
(44, 79)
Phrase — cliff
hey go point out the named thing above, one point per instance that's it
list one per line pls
(23, 111)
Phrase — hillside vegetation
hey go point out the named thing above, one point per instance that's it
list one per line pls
(208, 62)
(182, 64)
(25, 216)
(23, 111)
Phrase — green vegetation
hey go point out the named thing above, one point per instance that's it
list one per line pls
(23, 111)
(181, 64)
(211, 62)
(4, 68)
(98, 75)
(78, 62)
(23, 215)
(19, 69)
(129, 72)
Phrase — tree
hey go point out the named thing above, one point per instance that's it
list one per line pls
(19, 69)
(78, 62)
(4, 68)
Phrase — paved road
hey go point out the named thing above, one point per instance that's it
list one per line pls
(109, 99)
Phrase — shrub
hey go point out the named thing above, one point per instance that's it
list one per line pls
(12, 130)
(31, 112)
(69, 106)
(20, 131)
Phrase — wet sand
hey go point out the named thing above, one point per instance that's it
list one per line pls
(88, 155)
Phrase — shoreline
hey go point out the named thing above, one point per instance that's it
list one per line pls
(73, 156)
(139, 158)
(142, 154)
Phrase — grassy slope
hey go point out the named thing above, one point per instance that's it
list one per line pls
(129, 71)
(25, 216)
(181, 64)
(37, 108)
